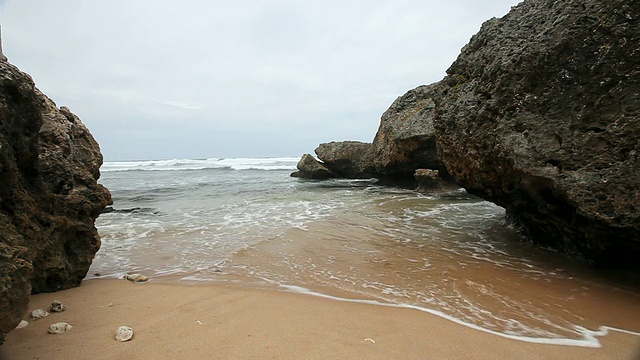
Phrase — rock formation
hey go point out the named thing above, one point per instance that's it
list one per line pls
(49, 198)
(344, 159)
(430, 181)
(405, 140)
(540, 114)
(347, 159)
(310, 168)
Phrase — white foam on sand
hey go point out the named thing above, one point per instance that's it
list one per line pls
(589, 337)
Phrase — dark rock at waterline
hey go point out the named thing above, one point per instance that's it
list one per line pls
(134, 210)
(540, 114)
(49, 198)
(427, 179)
(310, 168)
(338, 159)
(108, 209)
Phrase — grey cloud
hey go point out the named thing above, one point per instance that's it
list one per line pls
(158, 79)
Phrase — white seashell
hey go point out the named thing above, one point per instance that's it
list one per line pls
(59, 328)
(23, 323)
(136, 277)
(57, 306)
(124, 333)
(39, 314)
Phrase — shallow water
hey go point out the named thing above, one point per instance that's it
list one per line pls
(247, 221)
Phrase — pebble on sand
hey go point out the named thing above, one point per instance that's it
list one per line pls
(39, 314)
(57, 306)
(137, 278)
(124, 333)
(23, 323)
(59, 328)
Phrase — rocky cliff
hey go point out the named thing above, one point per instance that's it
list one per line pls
(539, 114)
(49, 198)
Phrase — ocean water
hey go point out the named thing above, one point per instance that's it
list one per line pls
(246, 221)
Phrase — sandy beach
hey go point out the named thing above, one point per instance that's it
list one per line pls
(219, 321)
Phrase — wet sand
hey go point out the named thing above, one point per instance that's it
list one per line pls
(221, 321)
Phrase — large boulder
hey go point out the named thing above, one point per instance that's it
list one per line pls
(49, 198)
(15, 286)
(540, 114)
(347, 159)
(406, 140)
(310, 168)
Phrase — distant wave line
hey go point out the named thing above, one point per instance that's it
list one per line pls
(280, 163)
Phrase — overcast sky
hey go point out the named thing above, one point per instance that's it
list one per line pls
(156, 79)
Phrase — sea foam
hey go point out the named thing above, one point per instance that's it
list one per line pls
(280, 163)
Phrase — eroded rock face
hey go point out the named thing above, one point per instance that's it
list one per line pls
(310, 168)
(15, 286)
(49, 198)
(540, 114)
(347, 159)
(405, 140)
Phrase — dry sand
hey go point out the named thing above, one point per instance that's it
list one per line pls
(217, 321)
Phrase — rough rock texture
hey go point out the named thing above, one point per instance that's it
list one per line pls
(347, 159)
(15, 286)
(540, 114)
(405, 140)
(49, 198)
(432, 182)
(427, 179)
(310, 168)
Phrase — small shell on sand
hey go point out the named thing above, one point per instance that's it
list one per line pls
(23, 323)
(59, 328)
(124, 333)
(39, 314)
(57, 306)
(136, 278)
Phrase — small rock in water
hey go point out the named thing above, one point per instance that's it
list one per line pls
(57, 306)
(124, 333)
(23, 323)
(136, 277)
(39, 314)
(59, 328)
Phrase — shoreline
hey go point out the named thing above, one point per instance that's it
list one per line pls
(230, 321)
